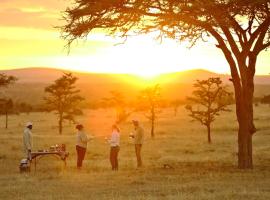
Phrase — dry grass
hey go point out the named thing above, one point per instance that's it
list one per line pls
(196, 170)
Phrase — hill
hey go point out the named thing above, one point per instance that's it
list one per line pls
(32, 81)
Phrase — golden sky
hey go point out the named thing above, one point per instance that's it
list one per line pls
(28, 39)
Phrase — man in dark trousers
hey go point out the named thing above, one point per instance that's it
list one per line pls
(138, 141)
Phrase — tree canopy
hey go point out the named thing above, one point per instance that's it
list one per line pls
(6, 80)
(117, 100)
(150, 101)
(64, 98)
(247, 20)
(266, 99)
(210, 97)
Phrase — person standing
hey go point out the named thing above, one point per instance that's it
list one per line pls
(115, 147)
(27, 140)
(138, 137)
(81, 145)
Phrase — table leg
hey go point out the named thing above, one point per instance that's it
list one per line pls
(35, 164)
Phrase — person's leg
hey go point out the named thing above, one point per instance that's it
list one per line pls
(81, 154)
(116, 158)
(78, 157)
(138, 154)
(83, 151)
(112, 158)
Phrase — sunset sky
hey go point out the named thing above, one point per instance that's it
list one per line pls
(28, 39)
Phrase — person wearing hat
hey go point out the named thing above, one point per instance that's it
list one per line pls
(27, 140)
(138, 137)
(81, 145)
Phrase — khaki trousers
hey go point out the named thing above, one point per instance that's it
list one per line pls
(138, 148)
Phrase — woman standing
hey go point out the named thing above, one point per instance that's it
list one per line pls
(115, 147)
(81, 145)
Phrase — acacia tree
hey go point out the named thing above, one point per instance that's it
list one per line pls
(117, 100)
(266, 100)
(24, 107)
(210, 97)
(175, 104)
(8, 108)
(150, 99)
(240, 28)
(6, 80)
(63, 98)
(6, 104)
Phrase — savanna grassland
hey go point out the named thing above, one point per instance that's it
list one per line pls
(196, 170)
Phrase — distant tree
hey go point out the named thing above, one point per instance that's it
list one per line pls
(150, 101)
(6, 80)
(64, 98)
(175, 104)
(266, 100)
(6, 104)
(70, 116)
(6, 108)
(210, 98)
(117, 100)
(24, 107)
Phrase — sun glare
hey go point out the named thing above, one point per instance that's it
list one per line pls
(147, 74)
(139, 56)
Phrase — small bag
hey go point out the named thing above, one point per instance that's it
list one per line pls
(24, 165)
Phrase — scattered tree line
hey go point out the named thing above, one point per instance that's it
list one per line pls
(208, 99)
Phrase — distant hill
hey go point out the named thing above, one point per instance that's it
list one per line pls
(32, 81)
(47, 75)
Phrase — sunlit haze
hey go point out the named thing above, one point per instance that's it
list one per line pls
(28, 39)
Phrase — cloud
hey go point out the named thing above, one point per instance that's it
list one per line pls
(18, 18)
(49, 4)
(43, 14)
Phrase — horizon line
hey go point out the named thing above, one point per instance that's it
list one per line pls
(103, 72)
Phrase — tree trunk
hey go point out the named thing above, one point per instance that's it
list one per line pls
(6, 119)
(209, 134)
(246, 129)
(153, 123)
(60, 124)
(244, 111)
(244, 145)
(175, 111)
(152, 130)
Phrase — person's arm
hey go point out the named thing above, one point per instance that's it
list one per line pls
(131, 135)
(90, 137)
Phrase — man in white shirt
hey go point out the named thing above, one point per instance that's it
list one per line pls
(27, 140)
